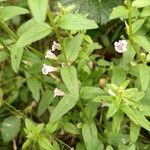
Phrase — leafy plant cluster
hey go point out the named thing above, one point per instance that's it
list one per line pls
(75, 75)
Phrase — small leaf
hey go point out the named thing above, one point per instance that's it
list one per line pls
(71, 128)
(10, 128)
(65, 104)
(38, 9)
(134, 131)
(34, 86)
(137, 25)
(142, 41)
(9, 12)
(109, 147)
(119, 75)
(45, 101)
(32, 31)
(144, 76)
(45, 143)
(119, 12)
(69, 76)
(112, 110)
(76, 22)
(16, 56)
(72, 46)
(139, 3)
(90, 92)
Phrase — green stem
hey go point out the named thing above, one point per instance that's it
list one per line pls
(14, 37)
(14, 109)
(51, 19)
(129, 5)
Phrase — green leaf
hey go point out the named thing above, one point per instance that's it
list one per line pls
(142, 41)
(139, 3)
(45, 143)
(89, 133)
(72, 46)
(113, 108)
(38, 9)
(26, 144)
(144, 76)
(10, 128)
(65, 104)
(134, 131)
(32, 31)
(76, 22)
(45, 101)
(51, 127)
(9, 12)
(71, 128)
(3, 56)
(109, 147)
(104, 63)
(69, 77)
(145, 12)
(117, 119)
(136, 116)
(137, 25)
(119, 12)
(90, 92)
(34, 86)
(119, 75)
(16, 56)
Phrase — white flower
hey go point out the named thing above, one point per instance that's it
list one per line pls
(58, 92)
(48, 69)
(56, 46)
(121, 46)
(50, 55)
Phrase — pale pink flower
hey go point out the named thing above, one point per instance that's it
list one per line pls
(51, 55)
(121, 46)
(56, 46)
(48, 69)
(58, 92)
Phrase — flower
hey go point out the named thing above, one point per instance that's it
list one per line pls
(50, 55)
(56, 46)
(58, 92)
(121, 46)
(48, 69)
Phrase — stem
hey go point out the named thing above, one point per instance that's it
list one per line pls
(14, 109)
(129, 5)
(14, 37)
(51, 19)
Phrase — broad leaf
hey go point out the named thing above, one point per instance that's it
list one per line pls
(119, 75)
(10, 128)
(69, 77)
(89, 133)
(16, 56)
(72, 46)
(134, 131)
(38, 9)
(45, 101)
(65, 104)
(142, 41)
(9, 12)
(144, 76)
(32, 31)
(137, 25)
(140, 3)
(34, 86)
(90, 92)
(76, 22)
